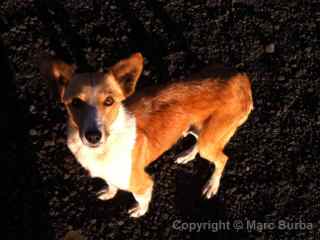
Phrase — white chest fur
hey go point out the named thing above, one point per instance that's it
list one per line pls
(112, 161)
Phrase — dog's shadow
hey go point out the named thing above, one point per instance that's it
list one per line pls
(189, 198)
(193, 207)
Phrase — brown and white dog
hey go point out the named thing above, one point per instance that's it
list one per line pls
(115, 134)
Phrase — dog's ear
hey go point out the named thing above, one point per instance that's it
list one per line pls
(127, 73)
(58, 73)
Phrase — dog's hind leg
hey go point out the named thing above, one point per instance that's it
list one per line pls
(216, 133)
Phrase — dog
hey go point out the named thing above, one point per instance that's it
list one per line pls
(115, 133)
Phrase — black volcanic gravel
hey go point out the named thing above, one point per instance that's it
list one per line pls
(273, 172)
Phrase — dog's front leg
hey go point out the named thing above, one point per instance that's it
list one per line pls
(143, 200)
(107, 193)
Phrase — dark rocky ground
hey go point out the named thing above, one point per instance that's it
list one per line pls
(273, 174)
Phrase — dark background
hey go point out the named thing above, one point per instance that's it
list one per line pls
(273, 172)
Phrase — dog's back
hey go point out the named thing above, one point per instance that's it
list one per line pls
(165, 112)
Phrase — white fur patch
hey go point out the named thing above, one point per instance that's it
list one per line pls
(112, 161)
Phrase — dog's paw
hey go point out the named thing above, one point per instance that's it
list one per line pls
(210, 189)
(187, 156)
(184, 159)
(138, 210)
(107, 193)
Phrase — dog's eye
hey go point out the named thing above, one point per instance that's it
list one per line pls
(108, 101)
(77, 102)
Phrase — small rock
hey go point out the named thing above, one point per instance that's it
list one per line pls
(270, 48)
(33, 132)
(310, 90)
(66, 177)
(308, 49)
(301, 169)
(299, 73)
(146, 73)
(124, 38)
(66, 199)
(73, 193)
(120, 223)
(48, 143)
(32, 109)
(165, 216)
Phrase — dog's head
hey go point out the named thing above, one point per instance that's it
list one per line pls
(93, 100)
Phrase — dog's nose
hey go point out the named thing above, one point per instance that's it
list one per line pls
(93, 136)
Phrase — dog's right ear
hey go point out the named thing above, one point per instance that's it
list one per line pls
(58, 73)
(127, 73)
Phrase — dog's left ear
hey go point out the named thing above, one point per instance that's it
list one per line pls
(58, 73)
(127, 73)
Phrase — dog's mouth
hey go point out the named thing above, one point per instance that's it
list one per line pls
(91, 145)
